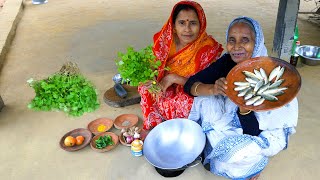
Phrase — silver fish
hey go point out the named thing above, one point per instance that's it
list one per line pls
(274, 90)
(259, 102)
(241, 83)
(269, 97)
(249, 94)
(250, 74)
(280, 73)
(258, 74)
(263, 88)
(274, 73)
(258, 86)
(264, 75)
(252, 81)
(243, 92)
(276, 84)
(252, 85)
(278, 93)
(252, 100)
(239, 88)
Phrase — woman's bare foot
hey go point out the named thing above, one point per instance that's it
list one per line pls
(255, 177)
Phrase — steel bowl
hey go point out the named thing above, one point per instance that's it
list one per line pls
(174, 144)
(310, 55)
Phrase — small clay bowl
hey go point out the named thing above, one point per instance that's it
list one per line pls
(74, 133)
(125, 121)
(93, 125)
(123, 141)
(114, 137)
(143, 135)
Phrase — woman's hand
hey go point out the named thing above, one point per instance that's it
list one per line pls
(219, 87)
(199, 89)
(170, 79)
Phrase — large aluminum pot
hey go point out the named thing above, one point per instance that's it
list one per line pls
(174, 144)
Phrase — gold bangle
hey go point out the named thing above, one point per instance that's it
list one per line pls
(195, 89)
(245, 113)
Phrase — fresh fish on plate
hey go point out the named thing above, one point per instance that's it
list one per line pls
(260, 87)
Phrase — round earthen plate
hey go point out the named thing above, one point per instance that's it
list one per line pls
(105, 123)
(74, 133)
(291, 76)
(125, 121)
(114, 137)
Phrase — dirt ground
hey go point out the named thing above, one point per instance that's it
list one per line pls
(91, 33)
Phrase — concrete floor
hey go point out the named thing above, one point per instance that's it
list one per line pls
(91, 33)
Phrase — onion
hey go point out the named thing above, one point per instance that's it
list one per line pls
(129, 139)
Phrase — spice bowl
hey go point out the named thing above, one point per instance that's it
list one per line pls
(126, 121)
(114, 137)
(142, 133)
(100, 125)
(123, 141)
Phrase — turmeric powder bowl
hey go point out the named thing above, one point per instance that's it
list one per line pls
(100, 125)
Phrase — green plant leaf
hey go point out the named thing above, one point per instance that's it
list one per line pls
(137, 66)
(65, 93)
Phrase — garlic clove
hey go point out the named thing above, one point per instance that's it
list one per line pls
(126, 134)
(136, 135)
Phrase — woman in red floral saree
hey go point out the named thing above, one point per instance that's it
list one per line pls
(184, 47)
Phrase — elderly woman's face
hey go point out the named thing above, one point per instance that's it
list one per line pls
(187, 26)
(240, 42)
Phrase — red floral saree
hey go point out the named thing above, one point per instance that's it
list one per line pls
(196, 56)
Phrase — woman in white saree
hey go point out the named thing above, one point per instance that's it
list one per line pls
(239, 142)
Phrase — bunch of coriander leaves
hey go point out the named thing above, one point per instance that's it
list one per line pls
(66, 90)
(136, 67)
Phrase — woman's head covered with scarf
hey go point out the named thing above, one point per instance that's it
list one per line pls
(238, 39)
(193, 57)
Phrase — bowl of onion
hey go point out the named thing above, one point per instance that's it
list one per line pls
(128, 135)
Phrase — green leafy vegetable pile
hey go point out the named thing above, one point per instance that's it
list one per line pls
(104, 141)
(137, 66)
(68, 92)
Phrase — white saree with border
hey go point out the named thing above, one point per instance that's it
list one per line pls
(233, 154)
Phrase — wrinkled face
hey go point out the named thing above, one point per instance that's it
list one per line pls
(187, 27)
(240, 42)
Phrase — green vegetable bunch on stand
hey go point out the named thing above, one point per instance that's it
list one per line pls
(66, 91)
(138, 67)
